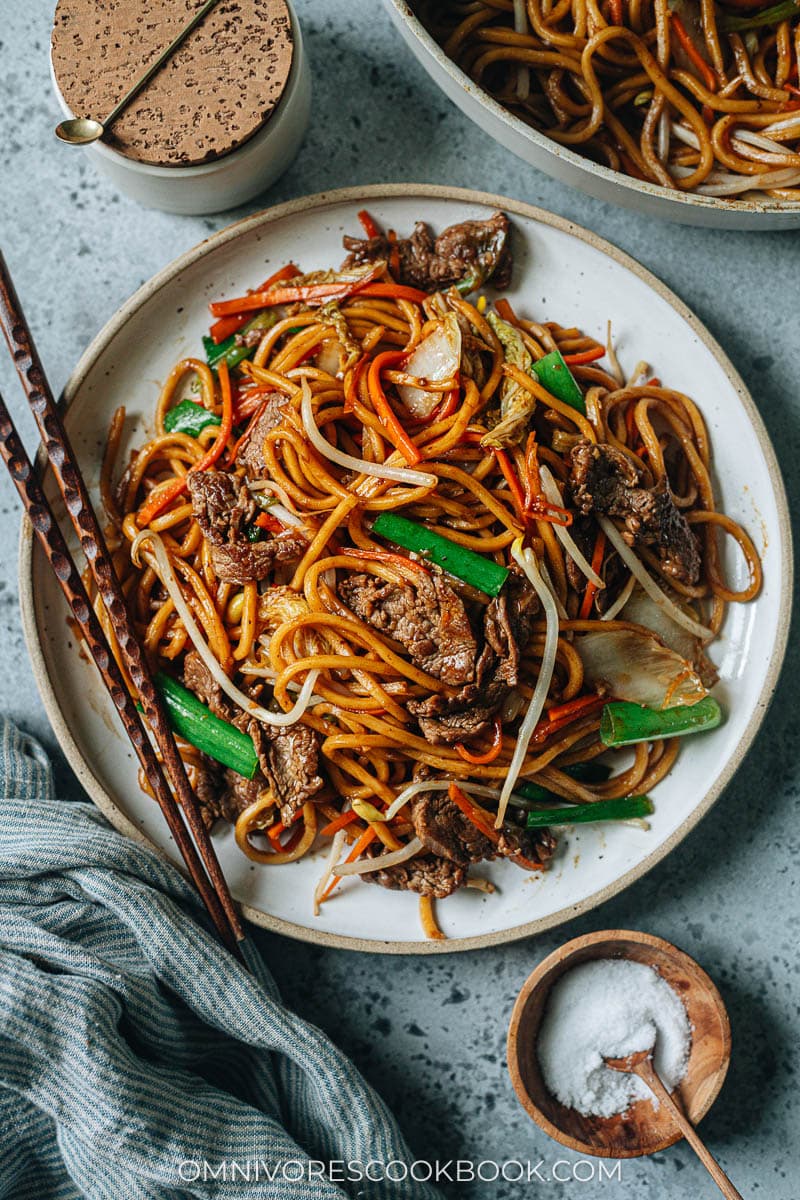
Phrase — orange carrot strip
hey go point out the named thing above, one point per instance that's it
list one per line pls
(585, 356)
(478, 816)
(591, 587)
(708, 75)
(615, 9)
(557, 712)
(223, 328)
(302, 293)
(385, 411)
(160, 497)
(341, 822)
(360, 846)
(265, 520)
(504, 462)
(367, 224)
(489, 755)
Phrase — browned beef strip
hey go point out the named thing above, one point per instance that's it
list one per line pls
(428, 619)
(472, 248)
(517, 844)
(426, 874)
(250, 454)
(198, 679)
(223, 508)
(507, 627)
(604, 480)
(289, 758)
(445, 831)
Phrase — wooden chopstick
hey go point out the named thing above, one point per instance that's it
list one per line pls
(212, 886)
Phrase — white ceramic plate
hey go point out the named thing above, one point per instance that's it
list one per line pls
(562, 273)
(570, 167)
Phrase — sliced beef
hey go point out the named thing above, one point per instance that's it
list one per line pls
(198, 679)
(524, 846)
(604, 480)
(289, 758)
(507, 627)
(477, 249)
(445, 831)
(224, 509)
(428, 619)
(250, 454)
(427, 874)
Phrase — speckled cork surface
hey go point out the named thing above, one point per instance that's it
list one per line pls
(217, 90)
(429, 1033)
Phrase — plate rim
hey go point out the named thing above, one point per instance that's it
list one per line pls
(402, 11)
(327, 199)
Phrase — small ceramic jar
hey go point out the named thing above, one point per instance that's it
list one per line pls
(215, 127)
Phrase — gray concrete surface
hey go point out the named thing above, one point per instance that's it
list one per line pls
(429, 1033)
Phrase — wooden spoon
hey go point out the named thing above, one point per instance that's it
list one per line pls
(641, 1064)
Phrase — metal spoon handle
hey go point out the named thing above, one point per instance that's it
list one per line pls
(646, 1071)
(158, 63)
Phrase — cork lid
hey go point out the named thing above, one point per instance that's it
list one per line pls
(217, 90)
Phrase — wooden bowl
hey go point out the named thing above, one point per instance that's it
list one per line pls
(643, 1129)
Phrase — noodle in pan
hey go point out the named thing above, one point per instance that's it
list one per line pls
(689, 94)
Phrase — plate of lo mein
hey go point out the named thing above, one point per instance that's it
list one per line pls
(460, 552)
(685, 109)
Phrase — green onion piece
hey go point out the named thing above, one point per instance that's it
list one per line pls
(554, 375)
(730, 23)
(476, 570)
(624, 724)
(198, 725)
(189, 417)
(254, 533)
(583, 772)
(229, 349)
(626, 808)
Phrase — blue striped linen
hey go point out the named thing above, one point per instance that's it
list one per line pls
(132, 1044)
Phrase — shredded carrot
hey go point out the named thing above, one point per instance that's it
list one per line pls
(396, 291)
(489, 755)
(367, 224)
(585, 356)
(615, 9)
(265, 520)
(301, 294)
(160, 497)
(223, 328)
(708, 75)
(274, 833)
(504, 462)
(341, 822)
(545, 729)
(557, 712)
(384, 409)
(447, 407)
(359, 847)
(474, 813)
(591, 586)
(427, 919)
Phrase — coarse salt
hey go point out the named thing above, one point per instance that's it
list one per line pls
(610, 1008)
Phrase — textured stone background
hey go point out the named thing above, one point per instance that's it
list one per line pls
(429, 1033)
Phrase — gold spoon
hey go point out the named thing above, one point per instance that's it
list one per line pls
(81, 131)
(641, 1064)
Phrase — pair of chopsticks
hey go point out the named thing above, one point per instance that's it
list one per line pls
(181, 809)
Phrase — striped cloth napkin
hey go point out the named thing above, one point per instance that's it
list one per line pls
(137, 1059)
